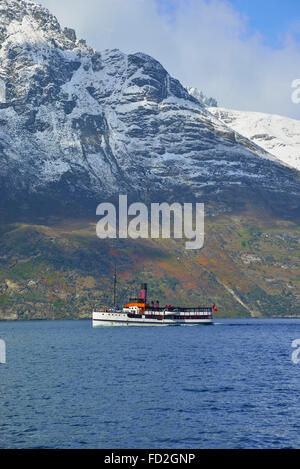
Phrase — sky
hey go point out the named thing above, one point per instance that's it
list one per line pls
(244, 53)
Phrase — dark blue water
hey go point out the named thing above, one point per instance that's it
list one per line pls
(231, 385)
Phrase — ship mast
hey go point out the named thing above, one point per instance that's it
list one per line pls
(115, 285)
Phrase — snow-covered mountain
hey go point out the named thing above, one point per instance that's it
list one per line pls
(278, 135)
(77, 124)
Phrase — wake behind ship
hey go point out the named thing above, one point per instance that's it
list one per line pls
(137, 312)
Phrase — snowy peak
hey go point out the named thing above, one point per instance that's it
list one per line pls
(26, 22)
(278, 135)
(200, 96)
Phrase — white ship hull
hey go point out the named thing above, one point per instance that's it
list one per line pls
(120, 318)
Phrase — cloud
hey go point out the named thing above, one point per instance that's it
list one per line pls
(204, 43)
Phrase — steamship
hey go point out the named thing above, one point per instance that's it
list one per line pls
(139, 312)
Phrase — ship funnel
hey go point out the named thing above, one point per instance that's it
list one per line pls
(144, 292)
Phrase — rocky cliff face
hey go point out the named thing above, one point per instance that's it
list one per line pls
(76, 124)
(278, 135)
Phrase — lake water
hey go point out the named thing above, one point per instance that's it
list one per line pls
(231, 385)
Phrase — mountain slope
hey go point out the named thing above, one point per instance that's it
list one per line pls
(278, 135)
(248, 267)
(78, 125)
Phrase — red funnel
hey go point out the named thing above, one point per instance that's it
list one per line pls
(143, 294)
